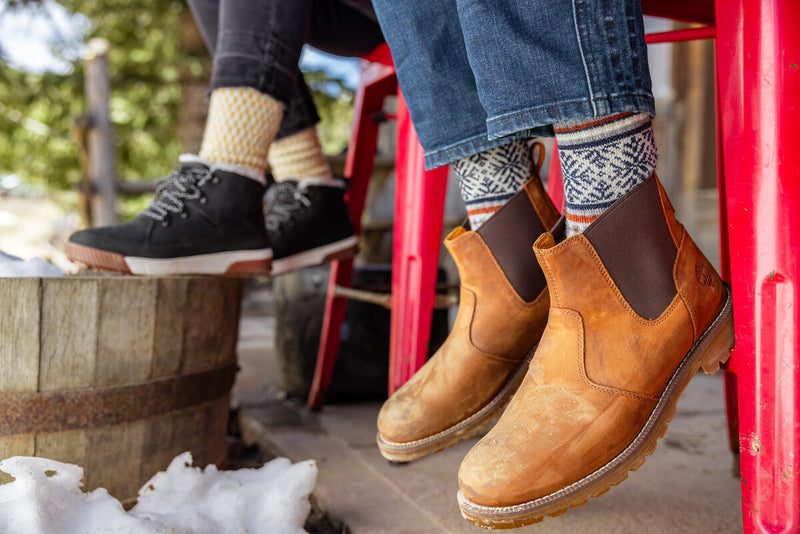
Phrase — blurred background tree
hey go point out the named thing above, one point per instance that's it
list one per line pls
(159, 69)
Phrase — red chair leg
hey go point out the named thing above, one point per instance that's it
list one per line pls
(731, 398)
(418, 214)
(759, 79)
(555, 181)
(377, 81)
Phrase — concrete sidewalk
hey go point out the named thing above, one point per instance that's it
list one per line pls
(686, 486)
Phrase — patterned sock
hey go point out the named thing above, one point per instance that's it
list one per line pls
(490, 178)
(602, 159)
(242, 122)
(298, 156)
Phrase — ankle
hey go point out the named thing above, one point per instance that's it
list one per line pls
(298, 156)
(489, 179)
(242, 122)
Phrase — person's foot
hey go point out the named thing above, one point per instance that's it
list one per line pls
(201, 221)
(636, 310)
(308, 224)
(464, 387)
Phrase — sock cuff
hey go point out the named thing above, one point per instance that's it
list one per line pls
(299, 156)
(600, 131)
(190, 159)
(320, 181)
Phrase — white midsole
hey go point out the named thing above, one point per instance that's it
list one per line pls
(215, 263)
(313, 256)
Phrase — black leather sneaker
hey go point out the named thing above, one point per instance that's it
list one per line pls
(201, 221)
(308, 224)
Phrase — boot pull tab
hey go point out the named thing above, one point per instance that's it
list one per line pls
(537, 155)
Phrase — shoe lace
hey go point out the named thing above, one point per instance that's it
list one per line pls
(287, 199)
(172, 191)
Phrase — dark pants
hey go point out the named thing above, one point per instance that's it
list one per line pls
(257, 43)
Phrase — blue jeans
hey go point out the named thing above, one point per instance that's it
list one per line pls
(476, 73)
(257, 43)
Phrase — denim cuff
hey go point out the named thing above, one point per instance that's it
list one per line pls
(541, 118)
(537, 122)
(248, 59)
(468, 147)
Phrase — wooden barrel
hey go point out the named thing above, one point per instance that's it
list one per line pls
(117, 374)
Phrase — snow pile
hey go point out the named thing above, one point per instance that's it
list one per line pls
(46, 498)
(14, 267)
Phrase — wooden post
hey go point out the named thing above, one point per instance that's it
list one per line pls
(100, 140)
(80, 129)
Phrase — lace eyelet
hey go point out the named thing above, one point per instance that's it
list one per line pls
(184, 214)
(215, 180)
(202, 200)
(165, 223)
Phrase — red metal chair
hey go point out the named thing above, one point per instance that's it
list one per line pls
(418, 213)
(758, 110)
(758, 71)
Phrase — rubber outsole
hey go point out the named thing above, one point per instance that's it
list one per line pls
(339, 250)
(710, 351)
(478, 422)
(234, 263)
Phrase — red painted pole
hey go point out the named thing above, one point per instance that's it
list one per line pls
(758, 48)
(418, 215)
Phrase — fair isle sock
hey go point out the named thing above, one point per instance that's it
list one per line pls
(602, 159)
(490, 178)
(298, 156)
(242, 122)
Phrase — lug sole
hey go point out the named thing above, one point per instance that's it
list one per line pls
(233, 263)
(465, 429)
(709, 353)
(343, 249)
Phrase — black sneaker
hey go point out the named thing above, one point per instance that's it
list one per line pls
(201, 221)
(308, 224)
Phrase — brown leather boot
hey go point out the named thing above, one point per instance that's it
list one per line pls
(636, 310)
(464, 387)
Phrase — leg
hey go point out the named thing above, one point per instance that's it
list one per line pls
(634, 302)
(478, 365)
(253, 79)
(339, 29)
(600, 107)
(306, 215)
(207, 216)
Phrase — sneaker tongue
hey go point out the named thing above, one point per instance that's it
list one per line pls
(196, 165)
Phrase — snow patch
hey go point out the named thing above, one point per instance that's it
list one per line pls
(46, 498)
(14, 267)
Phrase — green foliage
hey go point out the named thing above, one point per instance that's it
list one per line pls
(35, 126)
(145, 65)
(334, 103)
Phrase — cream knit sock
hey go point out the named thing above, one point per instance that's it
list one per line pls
(298, 156)
(242, 122)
